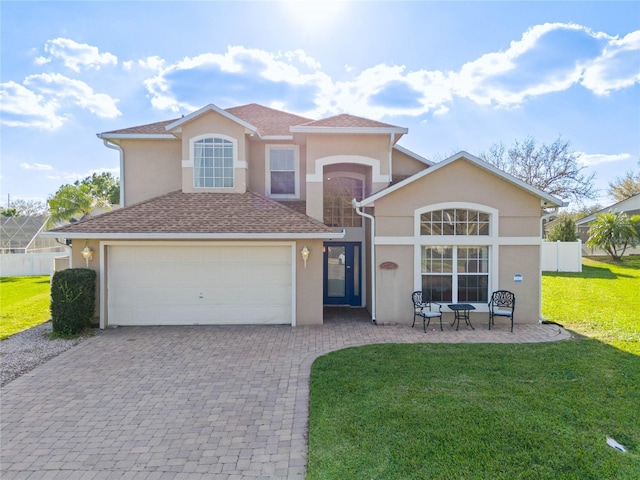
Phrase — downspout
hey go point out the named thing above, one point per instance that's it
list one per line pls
(114, 146)
(390, 158)
(356, 206)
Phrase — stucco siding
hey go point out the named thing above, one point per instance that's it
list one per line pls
(395, 285)
(524, 260)
(151, 168)
(404, 165)
(214, 123)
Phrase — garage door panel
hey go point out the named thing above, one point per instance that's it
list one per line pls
(169, 285)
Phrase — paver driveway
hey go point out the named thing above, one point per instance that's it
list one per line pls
(186, 402)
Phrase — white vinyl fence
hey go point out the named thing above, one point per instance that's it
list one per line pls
(24, 264)
(562, 256)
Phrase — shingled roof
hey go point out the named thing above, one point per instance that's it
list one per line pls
(201, 215)
(268, 121)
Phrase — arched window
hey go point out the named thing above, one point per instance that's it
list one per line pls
(456, 248)
(213, 162)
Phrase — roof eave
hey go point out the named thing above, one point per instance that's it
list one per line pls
(349, 130)
(193, 236)
(136, 136)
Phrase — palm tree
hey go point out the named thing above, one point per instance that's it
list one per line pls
(74, 201)
(614, 232)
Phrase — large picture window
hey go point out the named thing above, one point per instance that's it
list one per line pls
(455, 274)
(282, 171)
(213, 163)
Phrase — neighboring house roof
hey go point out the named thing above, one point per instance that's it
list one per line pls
(546, 199)
(630, 206)
(179, 215)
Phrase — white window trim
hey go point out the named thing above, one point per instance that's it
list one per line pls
(492, 241)
(191, 163)
(267, 169)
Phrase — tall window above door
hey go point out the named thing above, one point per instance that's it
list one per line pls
(213, 162)
(338, 193)
(282, 171)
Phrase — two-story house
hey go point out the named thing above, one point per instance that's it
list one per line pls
(250, 215)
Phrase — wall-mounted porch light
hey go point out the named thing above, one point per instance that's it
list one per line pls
(305, 255)
(87, 254)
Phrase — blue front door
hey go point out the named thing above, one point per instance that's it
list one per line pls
(343, 274)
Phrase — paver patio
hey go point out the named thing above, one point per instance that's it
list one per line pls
(206, 402)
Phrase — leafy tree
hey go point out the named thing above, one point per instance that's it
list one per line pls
(103, 185)
(29, 208)
(551, 168)
(82, 198)
(624, 187)
(563, 229)
(614, 232)
(9, 212)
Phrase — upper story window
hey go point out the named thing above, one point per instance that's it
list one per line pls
(213, 163)
(454, 221)
(338, 193)
(282, 171)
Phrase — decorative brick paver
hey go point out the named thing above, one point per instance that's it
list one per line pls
(202, 402)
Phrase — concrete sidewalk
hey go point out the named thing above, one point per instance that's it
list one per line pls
(189, 402)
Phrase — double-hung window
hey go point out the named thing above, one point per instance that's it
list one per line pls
(282, 171)
(213, 163)
(455, 264)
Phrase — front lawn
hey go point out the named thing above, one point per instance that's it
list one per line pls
(602, 302)
(473, 411)
(24, 303)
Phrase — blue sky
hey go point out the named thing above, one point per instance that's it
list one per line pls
(458, 75)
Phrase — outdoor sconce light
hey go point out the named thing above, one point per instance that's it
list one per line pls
(305, 255)
(87, 253)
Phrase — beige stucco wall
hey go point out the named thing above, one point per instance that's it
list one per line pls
(404, 165)
(214, 123)
(460, 181)
(151, 168)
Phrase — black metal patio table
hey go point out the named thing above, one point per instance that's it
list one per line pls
(461, 312)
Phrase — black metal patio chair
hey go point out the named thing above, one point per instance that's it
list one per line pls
(422, 307)
(502, 304)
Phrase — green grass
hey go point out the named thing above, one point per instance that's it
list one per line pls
(473, 411)
(24, 303)
(602, 302)
(470, 411)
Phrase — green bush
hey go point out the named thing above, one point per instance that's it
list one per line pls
(73, 300)
(563, 229)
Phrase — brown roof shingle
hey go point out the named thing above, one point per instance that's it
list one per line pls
(348, 121)
(268, 120)
(202, 213)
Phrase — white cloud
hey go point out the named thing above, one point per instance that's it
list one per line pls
(46, 101)
(618, 66)
(598, 158)
(76, 55)
(526, 69)
(35, 166)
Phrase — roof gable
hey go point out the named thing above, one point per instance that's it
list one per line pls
(546, 199)
(175, 126)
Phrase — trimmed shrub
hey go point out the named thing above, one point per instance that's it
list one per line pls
(73, 300)
(563, 229)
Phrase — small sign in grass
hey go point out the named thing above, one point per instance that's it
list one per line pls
(24, 303)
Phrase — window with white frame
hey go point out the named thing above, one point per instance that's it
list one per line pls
(213, 163)
(282, 171)
(454, 221)
(455, 274)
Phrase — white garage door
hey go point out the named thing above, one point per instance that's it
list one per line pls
(200, 285)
